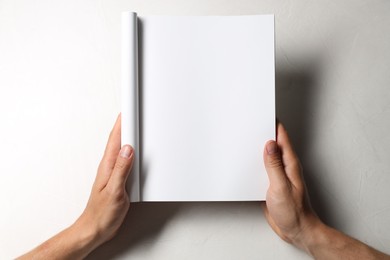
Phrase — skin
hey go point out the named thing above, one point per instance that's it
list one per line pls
(287, 208)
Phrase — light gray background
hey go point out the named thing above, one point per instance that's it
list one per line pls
(59, 96)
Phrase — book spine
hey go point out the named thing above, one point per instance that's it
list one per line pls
(129, 96)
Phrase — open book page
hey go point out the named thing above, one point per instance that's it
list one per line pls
(206, 106)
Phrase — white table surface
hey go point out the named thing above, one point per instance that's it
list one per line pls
(59, 97)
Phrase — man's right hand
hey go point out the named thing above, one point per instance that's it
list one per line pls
(288, 210)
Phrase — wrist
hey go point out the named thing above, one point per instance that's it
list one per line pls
(313, 232)
(315, 235)
(85, 236)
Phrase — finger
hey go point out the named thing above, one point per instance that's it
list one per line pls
(113, 145)
(110, 154)
(274, 165)
(290, 160)
(122, 167)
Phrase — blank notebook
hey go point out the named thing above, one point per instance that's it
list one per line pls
(198, 105)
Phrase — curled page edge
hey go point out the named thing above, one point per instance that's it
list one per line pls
(129, 96)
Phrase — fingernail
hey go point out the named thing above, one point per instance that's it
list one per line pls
(126, 151)
(272, 148)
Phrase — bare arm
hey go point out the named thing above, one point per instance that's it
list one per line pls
(106, 209)
(288, 210)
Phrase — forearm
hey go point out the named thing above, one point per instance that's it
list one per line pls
(74, 242)
(323, 242)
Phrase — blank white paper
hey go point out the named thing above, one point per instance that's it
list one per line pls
(206, 106)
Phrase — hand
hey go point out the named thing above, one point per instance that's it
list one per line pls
(109, 202)
(106, 209)
(286, 208)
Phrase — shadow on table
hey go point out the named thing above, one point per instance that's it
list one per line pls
(297, 97)
(146, 221)
(143, 223)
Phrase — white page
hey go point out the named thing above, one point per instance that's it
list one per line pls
(207, 107)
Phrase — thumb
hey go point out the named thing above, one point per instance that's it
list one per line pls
(274, 164)
(123, 165)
